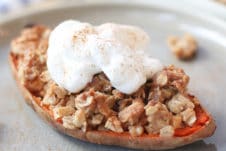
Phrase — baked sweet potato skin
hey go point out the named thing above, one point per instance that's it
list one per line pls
(145, 142)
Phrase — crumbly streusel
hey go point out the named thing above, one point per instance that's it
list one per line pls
(183, 48)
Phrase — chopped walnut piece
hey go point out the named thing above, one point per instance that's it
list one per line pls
(60, 92)
(68, 122)
(136, 130)
(71, 101)
(53, 94)
(86, 102)
(62, 111)
(167, 83)
(132, 113)
(45, 77)
(158, 116)
(117, 94)
(155, 94)
(114, 124)
(140, 93)
(179, 103)
(177, 121)
(167, 131)
(124, 103)
(176, 78)
(50, 99)
(161, 79)
(29, 71)
(81, 102)
(189, 116)
(184, 48)
(103, 104)
(110, 101)
(79, 119)
(95, 102)
(97, 119)
(61, 103)
(106, 85)
(167, 93)
(99, 83)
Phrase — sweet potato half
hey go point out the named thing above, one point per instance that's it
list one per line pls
(204, 126)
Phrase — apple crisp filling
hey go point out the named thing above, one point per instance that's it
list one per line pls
(160, 106)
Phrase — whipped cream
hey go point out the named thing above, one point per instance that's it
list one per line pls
(77, 51)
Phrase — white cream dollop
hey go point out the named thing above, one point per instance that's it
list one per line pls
(77, 51)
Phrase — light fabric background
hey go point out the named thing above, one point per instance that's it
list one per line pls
(7, 6)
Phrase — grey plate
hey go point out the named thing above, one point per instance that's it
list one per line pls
(22, 129)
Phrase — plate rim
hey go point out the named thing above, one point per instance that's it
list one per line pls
(160, 4)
